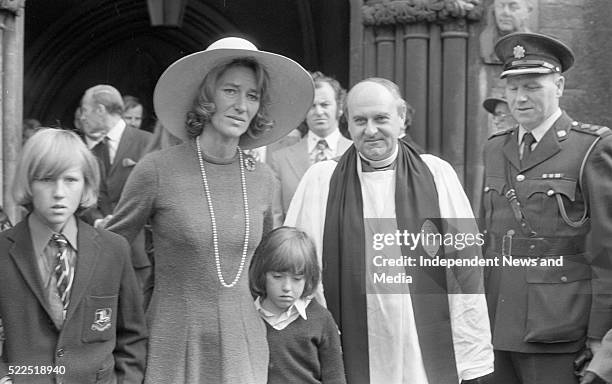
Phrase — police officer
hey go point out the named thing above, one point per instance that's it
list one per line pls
(547, 186)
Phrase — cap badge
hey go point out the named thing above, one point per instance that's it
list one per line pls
(519, 52)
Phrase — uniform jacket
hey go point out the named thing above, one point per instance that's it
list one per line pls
(104, 337)
(551, 309)
(290, 164)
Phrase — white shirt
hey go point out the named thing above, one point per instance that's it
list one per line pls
(538, 132)
(281, 321)
(396, 343)
(114, 136)
(331, 139)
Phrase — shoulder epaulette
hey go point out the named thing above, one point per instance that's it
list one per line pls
(501, 133)
(592, 129)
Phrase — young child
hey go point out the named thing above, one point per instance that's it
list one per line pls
(70, 304)
(302, 335)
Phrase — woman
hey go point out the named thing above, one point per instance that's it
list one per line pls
(209, 206)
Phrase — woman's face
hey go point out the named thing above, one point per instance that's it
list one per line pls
(236, 100)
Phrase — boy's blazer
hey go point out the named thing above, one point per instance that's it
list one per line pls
(103, 339)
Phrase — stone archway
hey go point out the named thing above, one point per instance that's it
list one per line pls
(111, 43)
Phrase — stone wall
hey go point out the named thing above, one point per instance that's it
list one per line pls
(585, 26)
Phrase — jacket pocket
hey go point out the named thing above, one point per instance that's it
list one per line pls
(558, 301)
(551, 187)
(100, 318)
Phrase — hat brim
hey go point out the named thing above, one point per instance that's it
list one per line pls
(526, 71)
(490, 103)
(291, 92)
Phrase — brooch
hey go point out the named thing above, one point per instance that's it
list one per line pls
(249, 163)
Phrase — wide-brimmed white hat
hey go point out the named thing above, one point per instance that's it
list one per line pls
(291, 89)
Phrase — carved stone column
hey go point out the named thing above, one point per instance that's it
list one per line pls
(416, 41)
(11, 88)
(422, 45)
(454, 81)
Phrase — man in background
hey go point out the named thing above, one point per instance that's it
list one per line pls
(118, 149)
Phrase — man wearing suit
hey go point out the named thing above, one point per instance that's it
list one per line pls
(117, 148)
(547, 186)
(322, 142)
(101, 109)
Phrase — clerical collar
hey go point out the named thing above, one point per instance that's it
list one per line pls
(379, 165)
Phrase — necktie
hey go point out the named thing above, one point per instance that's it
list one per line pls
(62, 268)
(528, 140)
(100, 150)
(320, 151)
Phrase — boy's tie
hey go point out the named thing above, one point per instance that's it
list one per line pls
(62, 269)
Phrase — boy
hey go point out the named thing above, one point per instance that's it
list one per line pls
(70, 304)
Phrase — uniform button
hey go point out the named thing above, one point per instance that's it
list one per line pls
(550, 192)
(486, 189)
(532, 247)
(574, 123)
(564, 279)
(60, 352)
(520, 177)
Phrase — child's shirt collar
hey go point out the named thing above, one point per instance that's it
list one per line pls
(282, 320)
(41, 233)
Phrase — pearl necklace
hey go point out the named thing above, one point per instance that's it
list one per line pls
(214, 221)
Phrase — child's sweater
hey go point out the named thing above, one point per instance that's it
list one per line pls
(306, 351)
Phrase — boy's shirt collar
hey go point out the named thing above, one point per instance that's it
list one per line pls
(41, 233)
(281, 321)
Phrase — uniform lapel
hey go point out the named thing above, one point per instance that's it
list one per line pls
(548, 146)
(89, 249)
(23, 255)
(298, 158)
(511, 149)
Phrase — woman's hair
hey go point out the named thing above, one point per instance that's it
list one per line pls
(284, 249)
(203, 107)
(49, 153)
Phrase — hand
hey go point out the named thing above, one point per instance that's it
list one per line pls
(591, 378)
(594, 345)
(101, 223)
